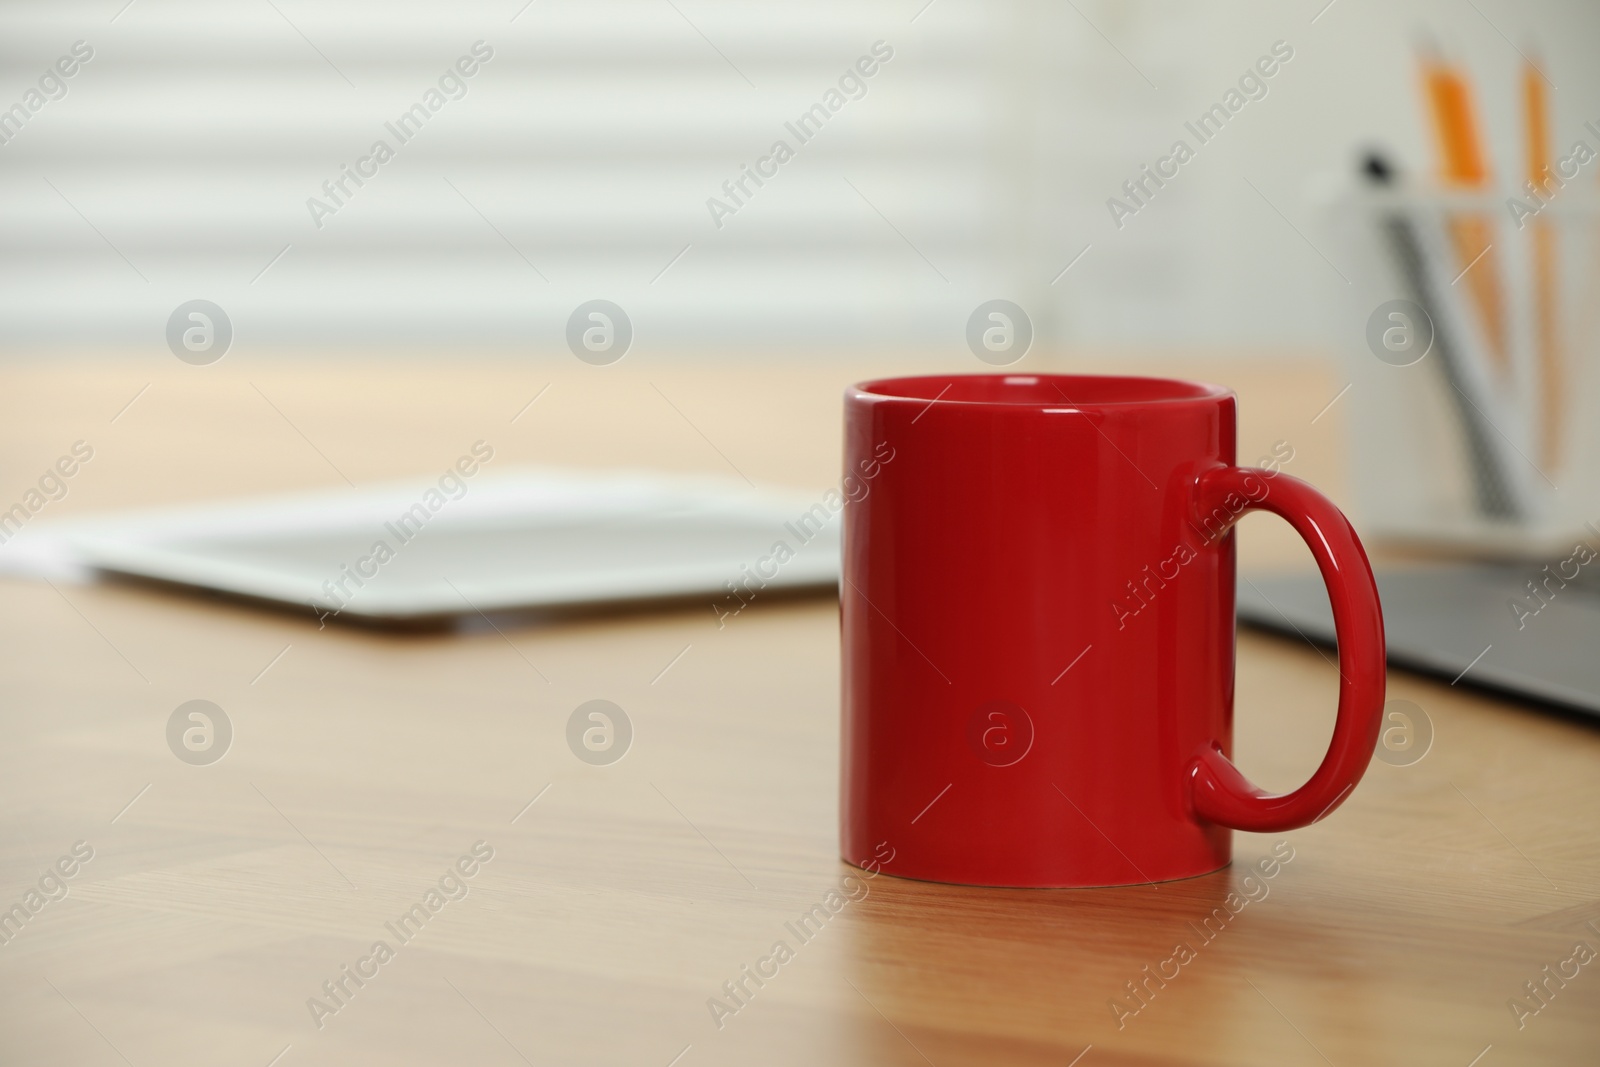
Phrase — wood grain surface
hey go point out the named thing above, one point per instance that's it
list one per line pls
(615, 906)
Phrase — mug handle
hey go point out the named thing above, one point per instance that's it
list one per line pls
(1218, 790)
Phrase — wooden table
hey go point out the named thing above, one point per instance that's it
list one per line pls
(220, 898)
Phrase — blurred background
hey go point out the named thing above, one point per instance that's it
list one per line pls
(579, 158)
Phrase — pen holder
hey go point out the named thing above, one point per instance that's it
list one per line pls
(1469, 345)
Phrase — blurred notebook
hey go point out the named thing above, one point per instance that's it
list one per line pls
(1472, 624)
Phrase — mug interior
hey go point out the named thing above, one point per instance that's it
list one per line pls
(1042, 390)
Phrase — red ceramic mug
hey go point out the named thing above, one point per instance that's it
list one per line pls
(1037, 609)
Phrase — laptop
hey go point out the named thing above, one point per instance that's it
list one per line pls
(1471, 624)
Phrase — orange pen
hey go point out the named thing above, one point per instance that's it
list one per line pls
(1462, 164)
(1536, 117)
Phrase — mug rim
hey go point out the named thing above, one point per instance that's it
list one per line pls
(1137, 390)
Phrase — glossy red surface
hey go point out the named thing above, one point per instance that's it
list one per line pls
(1038, 631)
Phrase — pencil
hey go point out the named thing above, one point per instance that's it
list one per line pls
(1462, 164)
(1552, 375)
(1491, 484)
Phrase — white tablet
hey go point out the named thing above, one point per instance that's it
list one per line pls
(528, 539)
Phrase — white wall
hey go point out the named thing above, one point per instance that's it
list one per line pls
(180, 161)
